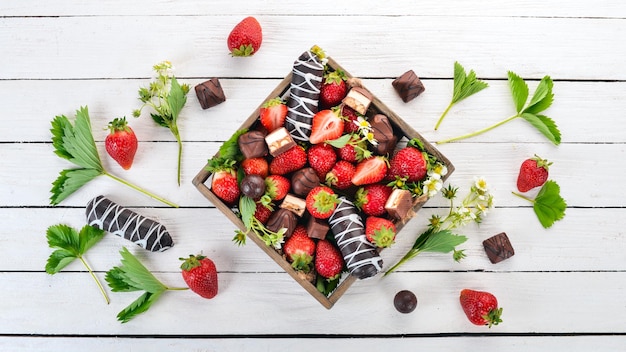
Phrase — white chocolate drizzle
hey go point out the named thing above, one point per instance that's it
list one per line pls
(304, 94)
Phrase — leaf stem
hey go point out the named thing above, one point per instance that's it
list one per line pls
(524, 197)
(410, 255)
(177, 288)
(104, 294)
(475, 133)
(445, 112)
(150, 194)
(174, 130)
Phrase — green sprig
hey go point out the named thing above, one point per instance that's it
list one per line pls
(76, 144)
(548, 205)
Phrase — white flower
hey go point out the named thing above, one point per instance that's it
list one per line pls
(438, 171)
(481, 184)
(370, 138)
(362, 124)
(432, 186)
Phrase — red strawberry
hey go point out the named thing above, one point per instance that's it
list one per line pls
(225, 186)
(370, 170)
(291, 160)
(263, 212)
(277, 187)
(327, 125)
(372, 198)
(255, 166)
(350, 116)
(408, 162)
(480, 307)
(322, 157)
(299, 249)
(340, 176)
(532, 173)
(273, 114)
(380, 231)
(121, 142)
(328, 260)
(354, 151)
(200, 275)
(333, 89)
(321, 202)
(245, 38)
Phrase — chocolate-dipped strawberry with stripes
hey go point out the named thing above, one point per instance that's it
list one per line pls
(304, 93)
(111, 217)
(361, 257)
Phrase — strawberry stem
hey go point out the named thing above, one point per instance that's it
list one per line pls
(150, 194)
(180, 148)
(475, 133)
(106, 298)
(524, 197)
(445, 112)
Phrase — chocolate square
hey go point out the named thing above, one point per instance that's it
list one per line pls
(498, 248)
(252, 144)
(408, 86)
(317, 228)
(359, 99)
(400, 204)
(210, 93)
(383, 133)
(294, 204)
(279, 141)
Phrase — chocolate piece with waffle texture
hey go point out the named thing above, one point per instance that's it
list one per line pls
(210, 93)
(408, 86)
(498, 248)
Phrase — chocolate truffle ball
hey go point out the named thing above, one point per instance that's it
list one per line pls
(304, 180)
(405, 301)
(253, 186)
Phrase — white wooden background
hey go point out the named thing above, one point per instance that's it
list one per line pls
(565, 288)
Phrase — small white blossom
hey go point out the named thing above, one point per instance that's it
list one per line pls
(362, 124)
(432, 186)
(438, 171)
(481, 184)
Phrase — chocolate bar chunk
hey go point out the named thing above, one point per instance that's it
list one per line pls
(359, 99)
(279, 141)
(498, 248)
(111, 217)
(303, 181)
(408, 86)
(360, 255)
(252, 144)
(400, 204)
(317, 228)
(383, 133)
(210, 93)
(304, 93)
(282, 218)
(295, 204)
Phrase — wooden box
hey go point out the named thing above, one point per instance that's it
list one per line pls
(400, 127)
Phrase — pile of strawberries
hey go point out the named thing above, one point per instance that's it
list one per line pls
(341, 153)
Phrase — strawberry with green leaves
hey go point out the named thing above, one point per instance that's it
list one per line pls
(200, 274)
(263, 212)
(300, 249)
(245, 38)
(321, 202)
(340, 176)
(480, 307)
(350, 116)
(322, 158)
(532, 173)
(380, 232)
(289, 161)
(409, 162)
(225, 186)
(329, 262)
(276, 188)
(273, 114)
(327, 125)
(333, 89)
(371, 170)
(121, 142)
(371, 198)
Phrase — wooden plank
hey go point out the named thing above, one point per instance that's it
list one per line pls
(259, 303)
(196, 46)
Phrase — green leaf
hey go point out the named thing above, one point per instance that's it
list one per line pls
(69, 181)
(89, 236)
(58, 260)
(341, 141)
(545, 125)
(443, 241)
(176, 99)
(459, 79)
(519, 89)
(247, 207)
(138, 306)
(549, 205)
(137, 275)
(60, 126)
(116, 278)
(542, 98)
(63, 237)
(467, 85)
(230, 148)
(80, 144)
(160, 120)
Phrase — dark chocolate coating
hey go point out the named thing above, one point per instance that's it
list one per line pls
(109, 216)
(252, 144)
(210, 93)
(304, 93)
(405, 301)
(282, 218)
(498, 248)
(317, 228)
(361, 257)
(253, 186)
(303, 181)
(408, 86)
(383, 133)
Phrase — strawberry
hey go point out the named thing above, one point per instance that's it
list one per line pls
(480, 307)
(273, 114)
(380, 231)
(255, 166)
(200, 275)
(277, 187)
(340, 176)
(370, 170)
(326, 126)
(354, 151)
(532, 173)
(245, 38)
(299, 249)
(408, 162)
(121, 142)
(328, 260)
(291, 160)
(333, 89)
(322, 157)
(321, 202)
(350, 115)
(263, 212)
(225, 186)
(371, 198)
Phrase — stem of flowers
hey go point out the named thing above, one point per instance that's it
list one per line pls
(475, 133)
(523, 197)
(135, 187)
(445, 112)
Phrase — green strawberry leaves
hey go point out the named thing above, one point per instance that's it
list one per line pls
(548, 205)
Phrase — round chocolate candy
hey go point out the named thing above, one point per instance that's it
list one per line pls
(253, 186)
(405, 301)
